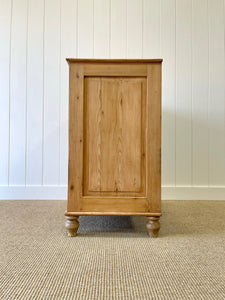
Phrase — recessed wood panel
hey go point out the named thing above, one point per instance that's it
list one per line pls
(110, 139)
(114, 135)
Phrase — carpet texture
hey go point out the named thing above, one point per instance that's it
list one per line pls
(112, 257)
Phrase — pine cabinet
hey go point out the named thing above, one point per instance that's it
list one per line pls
(114, 140)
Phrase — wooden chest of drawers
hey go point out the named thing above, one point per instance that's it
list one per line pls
(114, 140)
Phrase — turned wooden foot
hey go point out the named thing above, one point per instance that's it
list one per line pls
(72, 225)
(153, 226)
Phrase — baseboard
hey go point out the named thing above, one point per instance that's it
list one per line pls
(193, 193)
(59, 192)
(35, 192)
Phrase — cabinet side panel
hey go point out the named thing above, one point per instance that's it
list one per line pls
(75, 137)
(154, 137)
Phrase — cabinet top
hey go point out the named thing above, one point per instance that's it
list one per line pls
(90, 60)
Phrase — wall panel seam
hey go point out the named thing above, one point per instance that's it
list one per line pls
(160, 28)
(209, 90)
(10, 63)
(110, 24)
(142, 27)
(126, 30)
(43, 99)
(224, 61)
(77, 28)
(175, 90)
(26, 115)
(192, 93)
(60, 82)
(93, 28)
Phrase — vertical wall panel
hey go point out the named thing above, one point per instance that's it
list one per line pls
(200, 81)
(101, 33)
(216, 93)
(34, 92)
(134, 29)
(183, 93)
(151, 29)
(118, 29)
(5, 31)
(37, 36)
(85, 28)
(68, 49)
(18, 93)
(51, 92)
(168, 91)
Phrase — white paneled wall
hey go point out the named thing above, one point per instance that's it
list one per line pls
(37, 36)
(35, 90)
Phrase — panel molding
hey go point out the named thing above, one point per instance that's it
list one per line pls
(59, 192)
(125, 135)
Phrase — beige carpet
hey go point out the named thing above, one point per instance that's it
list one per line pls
(112, 257)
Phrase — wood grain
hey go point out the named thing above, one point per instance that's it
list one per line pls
(114, 147)
(115, 140)
(111, 213)
(109, 143)
(119, 61)
(122, 204)
(117, 69)
(72, 225)
(154, 137)
(92, 134)
(153, 226)
(75, 183)
(130, 135)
